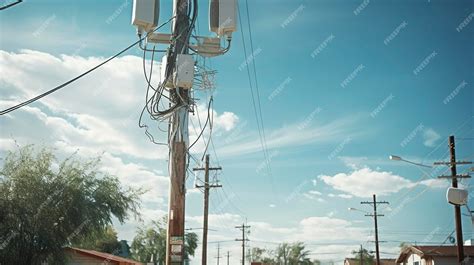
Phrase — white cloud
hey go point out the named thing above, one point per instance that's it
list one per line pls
(430, 137)
(435, 183)
(327, 229)
(227, 120)
(314, 195)
(217, 220)
(364, 182)
(342, 195)
(345, 196)
(315, 192)
(291, 136)
(221, 123)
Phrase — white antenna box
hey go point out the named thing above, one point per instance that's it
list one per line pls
(223, 17)
(145, 14)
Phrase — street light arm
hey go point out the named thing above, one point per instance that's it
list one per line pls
(399, 158)
(416, 164)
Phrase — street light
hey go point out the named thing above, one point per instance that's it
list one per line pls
(399, 158)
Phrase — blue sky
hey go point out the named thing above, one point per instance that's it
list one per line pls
(343, 84)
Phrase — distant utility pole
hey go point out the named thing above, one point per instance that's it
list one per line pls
(218, 253)
(178, 143)
(375, 215)
(228, 256)
(457, 209)
(361, 257)
(244, 239)
(207, 186)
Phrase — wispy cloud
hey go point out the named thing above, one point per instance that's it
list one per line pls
(430, 137)
(290, 136)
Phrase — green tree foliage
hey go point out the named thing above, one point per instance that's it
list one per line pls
(284, 254)
(367, 258)
(256, 254)
(103, 241)
(46, 204)
(149, 244)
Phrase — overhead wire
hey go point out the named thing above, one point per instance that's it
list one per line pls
(256, 78)
(211, 123)
(208, 120)
(10, 5)
(29, 101)
(148, 80)
(257, 112)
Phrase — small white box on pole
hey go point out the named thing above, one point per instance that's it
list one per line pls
(184, 71)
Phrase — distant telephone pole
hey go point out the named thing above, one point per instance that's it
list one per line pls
(361, 257)
(228, 256)
(374, 203)
(244, 239)
(457, 209)
(218, 253)
(207, 186)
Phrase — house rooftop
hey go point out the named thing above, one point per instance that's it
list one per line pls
(382, 261)
(111, 259)
(433, 251)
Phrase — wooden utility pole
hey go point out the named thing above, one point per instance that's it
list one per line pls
(218, 253)
(457, 208)
(244, 239)
(361, 257)
(207, 186)
(375, 215)
(178, 140)
(228, 257)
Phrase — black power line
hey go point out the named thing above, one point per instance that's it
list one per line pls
(10, 5)
(29, 101)
(255, 99)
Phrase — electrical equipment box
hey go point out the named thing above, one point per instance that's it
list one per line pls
(457, 196)
(223, 17)
(145, 14)
(208, 47)
(162, 38)
(184, 71)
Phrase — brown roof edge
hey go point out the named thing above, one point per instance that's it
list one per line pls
(103, 255)
(430, 251)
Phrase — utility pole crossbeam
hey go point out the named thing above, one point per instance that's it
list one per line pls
(374, 203)
(454, 178)
(207, 186)
(244, 239)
